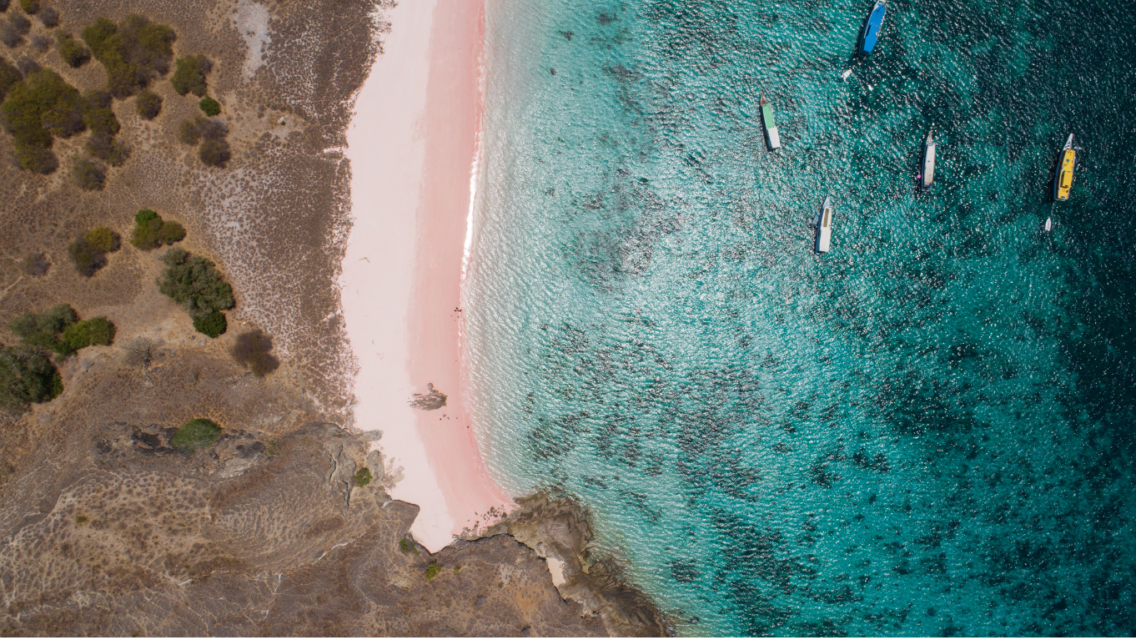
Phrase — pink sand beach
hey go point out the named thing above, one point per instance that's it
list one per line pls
(412, 146)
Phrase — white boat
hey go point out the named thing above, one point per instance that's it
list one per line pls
(928, 161)
(1049, 224)
(824, 226)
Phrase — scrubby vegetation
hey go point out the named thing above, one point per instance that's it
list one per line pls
(43, 329)
(105, 147)
(26, 376)
(35, 264)
(363, 477)
(49, 17)
(98, 114)
(196, 434)
(211, 324)
(194, 282)
(89, 252)
(9, 76)
(406, 546)
(36, 108)
(30, 7)
(59, 329)
(72, 51)
(209, 106)
(214, 151)
(13, 29)
(432, 570)
(151, 232)
(148, 104)
(253, 350)
(90, 176)
(85, 333)
(133, 53)
(189, 76)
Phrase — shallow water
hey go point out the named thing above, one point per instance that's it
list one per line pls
(926, 431)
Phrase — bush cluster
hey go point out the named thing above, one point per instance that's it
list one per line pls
(148, 104)
(196, 434)
(89, 252)
(363, 477)
(9, 76)
(90, 176)
(210, 132)
(26, 376)
(209, 106)
(189, 75)
(49, 17)
(194, 282)
(13, 29)
(151, 232)
(36, 108)
(72, 51)
(253, 351)
(59, 329)
(133, 53)
(30, 7)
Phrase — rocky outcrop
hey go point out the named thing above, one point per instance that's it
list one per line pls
(559, 530)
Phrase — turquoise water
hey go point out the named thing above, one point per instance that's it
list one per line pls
(927, 431)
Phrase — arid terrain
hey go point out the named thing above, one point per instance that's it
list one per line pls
(108, 529)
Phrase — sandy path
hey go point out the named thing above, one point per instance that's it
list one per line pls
(412, 145)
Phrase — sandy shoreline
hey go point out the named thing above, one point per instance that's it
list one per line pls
(412, 144)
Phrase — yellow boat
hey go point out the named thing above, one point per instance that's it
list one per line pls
(1064, 180)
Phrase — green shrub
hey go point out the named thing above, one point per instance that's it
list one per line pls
(42, 329)
(30, 7)
(148, 104)
(195, 283)
(72, 51)
(432, 570)
(189, 76)
(151, 232)
(211, 324)
(209, 106)
(36, 108)
(214, 153)
(90, 176)
(406, 546)
(133, 53)
(96, 331)
(102, 239)
(252, 350)
(196, 434)
(9, 76)
(363, 477)
(26, 376)
(171, 232)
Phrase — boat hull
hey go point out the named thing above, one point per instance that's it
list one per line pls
(928, 165)
(872, 28)
(773, 137)
(1063, 181)
(824, 226)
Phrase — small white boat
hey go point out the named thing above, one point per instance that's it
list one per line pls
(824, 226)
(1049, 224)
(928, 161)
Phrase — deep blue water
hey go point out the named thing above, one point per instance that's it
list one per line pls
(927, 431)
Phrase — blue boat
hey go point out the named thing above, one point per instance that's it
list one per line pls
(872, 29)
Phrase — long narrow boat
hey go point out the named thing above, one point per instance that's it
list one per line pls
(824, 225)
(928, 161)
(872, 28)
(1063, 182)
(770, 125)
